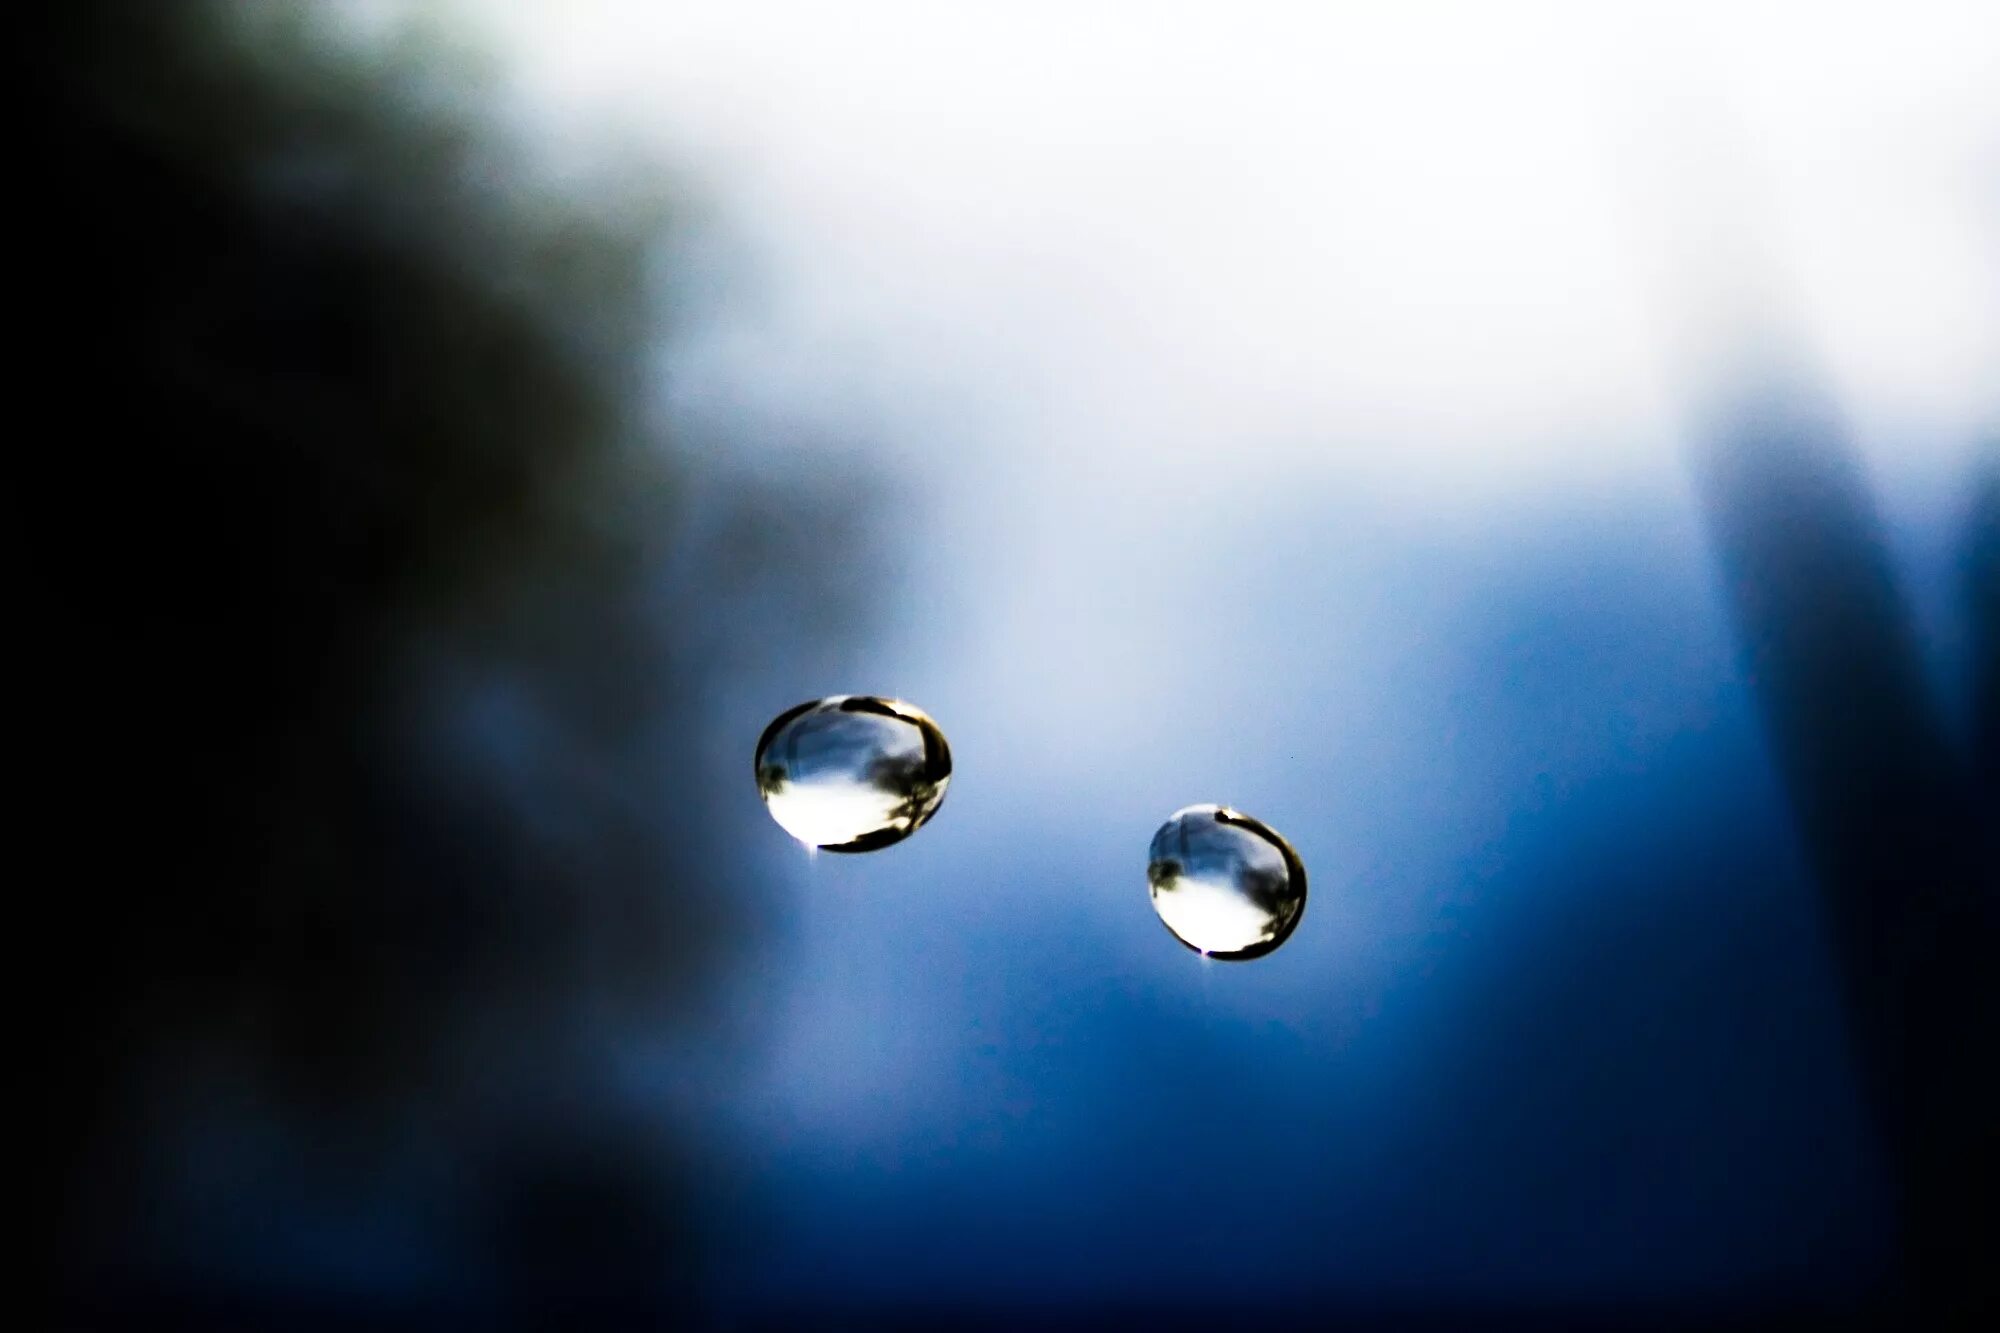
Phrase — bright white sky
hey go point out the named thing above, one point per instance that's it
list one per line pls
(1487, 235)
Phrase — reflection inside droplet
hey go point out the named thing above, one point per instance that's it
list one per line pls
(1225, 884)
(852, 772)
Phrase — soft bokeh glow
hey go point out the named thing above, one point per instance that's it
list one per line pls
(1454, 243)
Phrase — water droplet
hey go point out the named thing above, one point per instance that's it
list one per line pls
(851, 773)
(1225, 884)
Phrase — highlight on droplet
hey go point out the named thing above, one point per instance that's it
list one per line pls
(852, 772)
(1226, 885)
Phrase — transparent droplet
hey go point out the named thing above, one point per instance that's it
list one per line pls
(1226, 885)
(852, 772)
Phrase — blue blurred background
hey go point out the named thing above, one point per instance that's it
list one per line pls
(1542, 462)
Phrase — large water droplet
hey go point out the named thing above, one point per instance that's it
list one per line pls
(852, 772)
(1225, 884)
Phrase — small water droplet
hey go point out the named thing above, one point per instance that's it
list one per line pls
(1225, 884)
(852, 772)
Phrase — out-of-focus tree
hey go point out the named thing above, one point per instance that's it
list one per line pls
(387, 615)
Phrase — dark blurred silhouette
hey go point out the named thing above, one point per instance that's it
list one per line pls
(1982, 592)
(386, 630)
(1890, 811)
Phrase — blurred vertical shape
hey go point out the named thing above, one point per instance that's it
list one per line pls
(1982, 591)
(1886, 807)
